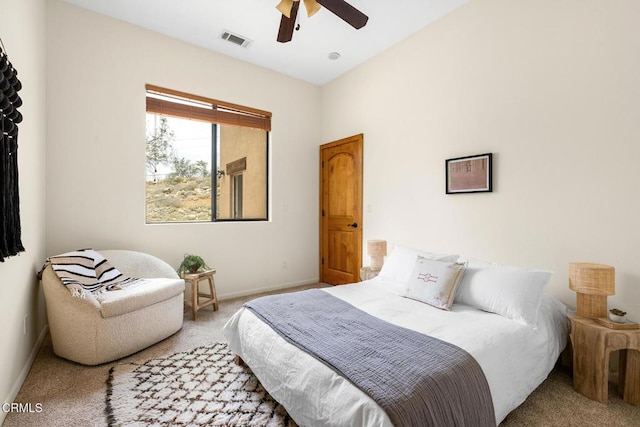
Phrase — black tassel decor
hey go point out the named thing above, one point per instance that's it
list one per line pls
(10, 231)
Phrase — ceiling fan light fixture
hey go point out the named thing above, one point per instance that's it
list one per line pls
(312, 7)
(340, 8)
(285, 7)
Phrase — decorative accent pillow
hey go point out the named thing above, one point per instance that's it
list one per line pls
(400, 262)
(512, 292)
(434, 282)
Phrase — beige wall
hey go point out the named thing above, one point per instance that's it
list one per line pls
(552, 89)
(22, 29)
(97, 72)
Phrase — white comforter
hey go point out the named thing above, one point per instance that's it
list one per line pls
(515, 358)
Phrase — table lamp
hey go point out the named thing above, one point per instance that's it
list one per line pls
(377, 250)
(592, 283)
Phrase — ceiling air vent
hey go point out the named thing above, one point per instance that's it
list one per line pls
(235, 38)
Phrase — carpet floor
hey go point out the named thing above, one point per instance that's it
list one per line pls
(75, 395)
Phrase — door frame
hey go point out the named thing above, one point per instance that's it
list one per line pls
(359, 140)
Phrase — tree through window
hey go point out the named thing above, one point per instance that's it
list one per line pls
(206, 160)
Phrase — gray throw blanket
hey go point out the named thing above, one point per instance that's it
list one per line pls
(418, 380)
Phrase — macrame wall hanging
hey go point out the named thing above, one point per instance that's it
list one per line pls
(10, 232)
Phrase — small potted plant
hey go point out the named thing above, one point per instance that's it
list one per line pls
(191, 264)
(617, 315)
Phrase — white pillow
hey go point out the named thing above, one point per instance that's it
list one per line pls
(512, 292)
(434, 282)
(400, 262)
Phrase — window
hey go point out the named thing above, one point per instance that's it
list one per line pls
(207, 160)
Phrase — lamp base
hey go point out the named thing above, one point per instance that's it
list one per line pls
(376, 262)
(591, 306)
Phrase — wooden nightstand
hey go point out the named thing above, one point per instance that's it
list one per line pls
(209, 299)
(366, 273)
(592, 344)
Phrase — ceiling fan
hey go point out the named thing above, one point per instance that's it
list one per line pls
(342, 9)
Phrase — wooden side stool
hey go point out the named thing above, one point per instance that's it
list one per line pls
(592, 344)
(209, 299)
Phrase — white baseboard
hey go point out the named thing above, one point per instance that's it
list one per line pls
(25, 371)
(267, 289)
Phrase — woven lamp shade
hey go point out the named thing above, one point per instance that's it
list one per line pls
(377, 250)
(592, 283)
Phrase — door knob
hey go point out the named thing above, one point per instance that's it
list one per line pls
(354, 225)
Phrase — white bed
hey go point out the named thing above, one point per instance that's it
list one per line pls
(514, 357)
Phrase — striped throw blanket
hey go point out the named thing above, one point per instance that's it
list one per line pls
(86, 273)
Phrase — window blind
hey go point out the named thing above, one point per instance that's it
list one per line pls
(173, 103)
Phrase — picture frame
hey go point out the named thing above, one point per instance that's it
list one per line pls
(470, 174)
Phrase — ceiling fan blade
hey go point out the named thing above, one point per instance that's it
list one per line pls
(346, 12)
(285, 7)
(312, 7)
(287, 25)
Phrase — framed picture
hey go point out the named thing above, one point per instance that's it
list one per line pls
(471, 174)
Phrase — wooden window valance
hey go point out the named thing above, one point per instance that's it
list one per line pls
(10, 101)
(173, 103)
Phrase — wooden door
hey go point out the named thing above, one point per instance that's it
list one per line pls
(341, 211)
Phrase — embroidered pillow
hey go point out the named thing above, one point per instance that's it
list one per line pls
(398, 265)
(434, 282)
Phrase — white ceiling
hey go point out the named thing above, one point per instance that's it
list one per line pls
(201, 22)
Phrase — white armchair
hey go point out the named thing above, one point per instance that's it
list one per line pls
(116, 324)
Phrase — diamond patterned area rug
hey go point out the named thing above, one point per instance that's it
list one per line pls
(199, 387)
